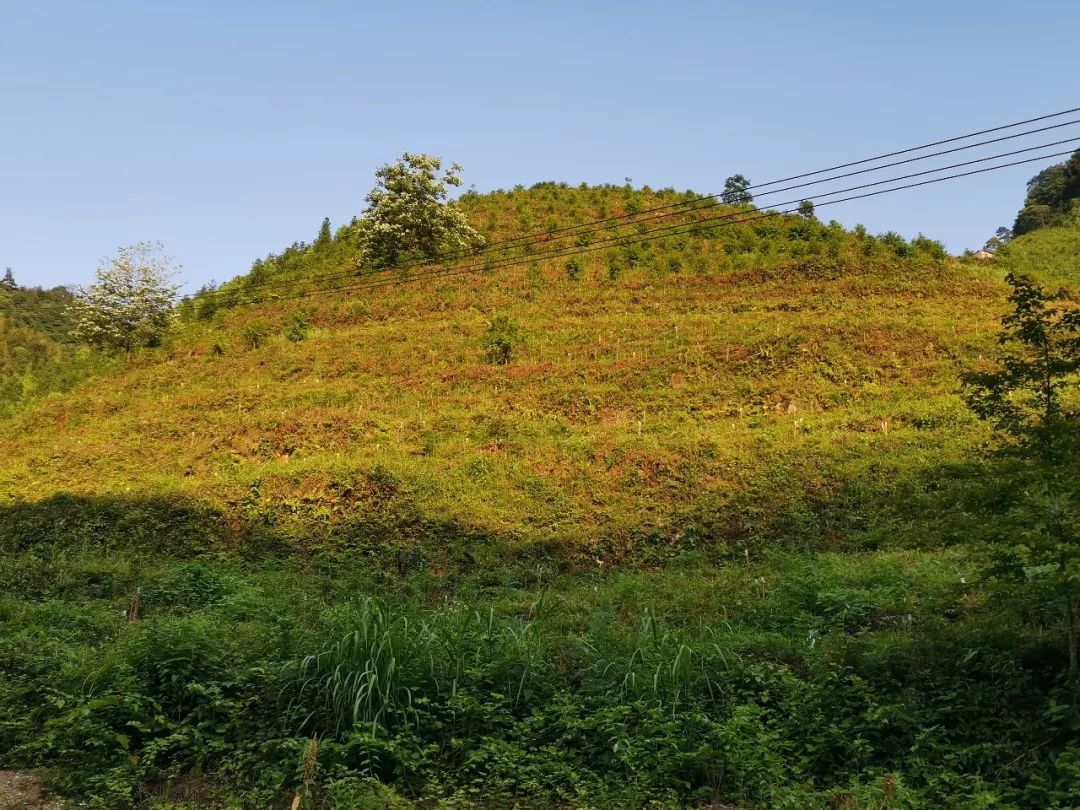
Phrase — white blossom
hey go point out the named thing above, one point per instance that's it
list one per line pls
(130, 305)
(409, 216)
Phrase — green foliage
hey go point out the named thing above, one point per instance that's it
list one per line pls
(741, 686)
(325, 237)
(37, 355)
(689, 550)
(44, 311)
(1039, 360)
(1037, 509)
(297, 329)
(736, 191)
(1051, 195)
(500, 340)
(1050, 255)
(256, 334)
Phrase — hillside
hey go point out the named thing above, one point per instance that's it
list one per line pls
(1051, 253)
(705, 392)
(37, 352)
(698, 522)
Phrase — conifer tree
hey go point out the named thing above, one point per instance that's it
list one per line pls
(325, 237)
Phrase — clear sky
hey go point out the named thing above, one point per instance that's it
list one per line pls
(228, 129)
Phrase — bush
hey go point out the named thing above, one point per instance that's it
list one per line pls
(500, 339)
(297, 329)
(256, 334)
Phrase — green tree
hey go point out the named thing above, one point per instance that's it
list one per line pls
(736, 191)
(8, 281)
(1035, 533)
(1039, 358)
(409, 215)
(500, 339)
(130, 305)
(1050, 195)
(1032, 217)
(325, 237)
(297, 328)
(806, 209)
(1002, 236)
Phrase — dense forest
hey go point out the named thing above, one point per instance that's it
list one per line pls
(778, 514)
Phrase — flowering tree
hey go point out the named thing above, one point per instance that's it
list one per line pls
(131, 303)
(409, 216)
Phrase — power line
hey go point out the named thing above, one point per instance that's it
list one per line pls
(652, 235)
(591, 226)
(668, 231)
(616, 241)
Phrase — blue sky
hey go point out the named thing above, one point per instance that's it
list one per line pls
(228, 129)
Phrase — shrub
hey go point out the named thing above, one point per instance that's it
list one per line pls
(256, 334)
(297, 329)
(499, 340)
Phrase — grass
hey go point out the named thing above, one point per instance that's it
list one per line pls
(802, 678)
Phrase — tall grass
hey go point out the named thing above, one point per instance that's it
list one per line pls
(368, 676)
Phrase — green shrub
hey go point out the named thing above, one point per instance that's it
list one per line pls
(256, 334)
(297, 328)
(500, 340)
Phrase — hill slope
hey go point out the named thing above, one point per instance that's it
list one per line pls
(705, 391)
(1050, 254)
(37, 352)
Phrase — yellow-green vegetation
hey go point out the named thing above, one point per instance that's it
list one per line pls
(701, 521)
(1050, 254)
(753, 391)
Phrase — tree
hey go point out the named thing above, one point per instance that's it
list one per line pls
(736, 191)
(1002, 236)
(409, 215)
(1050, 195)
(8, 281)
(130, 305)
(806, 209)
(325, 237)
(499, 340)
(1035, 534)
(1040, 357)
(1033, 217)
